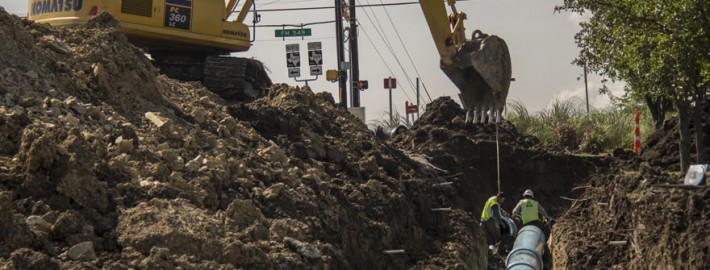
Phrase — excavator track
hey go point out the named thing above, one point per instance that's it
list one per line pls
(236, 79)
(180, 66)
(232, 78)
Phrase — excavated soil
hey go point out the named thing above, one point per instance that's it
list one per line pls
(643, 221)
(105, 163)
(469, 153)
(637, 215)
(661, 147)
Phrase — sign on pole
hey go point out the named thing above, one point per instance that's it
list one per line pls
(292, 47)
(299, 32)
(293, 60)
(390, 83)
(314, 46)
(315, 58)
(316, 70)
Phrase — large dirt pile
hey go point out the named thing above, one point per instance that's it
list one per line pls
(661, 148)
(106, 164)
(635, 221)
(471, 150)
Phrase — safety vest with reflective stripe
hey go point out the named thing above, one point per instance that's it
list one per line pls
(529, 210)
(488, 209)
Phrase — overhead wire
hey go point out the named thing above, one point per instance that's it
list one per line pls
(391, 50)
(377, 29)
(381, 58)
(390, 47)
(295, 25)
(386, 41)
(405, 50)
(406, 74)
(332, 7)
(269, 3)
(304, 38)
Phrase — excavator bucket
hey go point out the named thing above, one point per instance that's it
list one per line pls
(482, 71)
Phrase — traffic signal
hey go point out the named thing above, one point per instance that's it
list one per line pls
(331, 75)
(362, 85)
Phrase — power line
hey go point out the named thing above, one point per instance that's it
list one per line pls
(331, 7)
(390, 47)
(304, 38)
(294, 25)
(379, 26)
(391, 50)
(381, 58)
(386, 40)
(406, 51)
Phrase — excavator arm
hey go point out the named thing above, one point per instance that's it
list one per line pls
(479, 67)
(448, 32)
(242, 14)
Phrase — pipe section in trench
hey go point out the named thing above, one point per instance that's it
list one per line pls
(527, 250)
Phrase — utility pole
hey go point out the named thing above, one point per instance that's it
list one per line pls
(417, 101)
(390, 88)
(586, 91)
(354, 63)
(342, 76)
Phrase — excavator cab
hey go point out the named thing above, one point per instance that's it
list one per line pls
(480, 67)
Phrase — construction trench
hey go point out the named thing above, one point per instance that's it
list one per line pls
(105, 163)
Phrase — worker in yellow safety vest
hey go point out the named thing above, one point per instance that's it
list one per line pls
(530, 211)
(491, 218)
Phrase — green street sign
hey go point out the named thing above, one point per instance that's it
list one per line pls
(300, 32)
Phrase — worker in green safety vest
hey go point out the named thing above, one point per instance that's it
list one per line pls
(491, 218)
(530, 212)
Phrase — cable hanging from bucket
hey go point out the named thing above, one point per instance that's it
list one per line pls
(497, 157)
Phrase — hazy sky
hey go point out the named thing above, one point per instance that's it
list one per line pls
(540, 41)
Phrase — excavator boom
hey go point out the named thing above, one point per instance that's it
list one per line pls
(480, 67)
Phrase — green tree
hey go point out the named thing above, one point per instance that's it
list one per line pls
(660, 48)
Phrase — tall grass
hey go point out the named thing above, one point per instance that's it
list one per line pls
(566, 123)
(385, 121)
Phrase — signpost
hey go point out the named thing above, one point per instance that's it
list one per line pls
(293, 60)
(410, 109)
(391, 83)
(315, 58)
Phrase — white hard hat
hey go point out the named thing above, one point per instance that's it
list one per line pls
(528, 192)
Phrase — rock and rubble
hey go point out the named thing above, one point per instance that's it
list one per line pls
(105, 163)
(108, 164)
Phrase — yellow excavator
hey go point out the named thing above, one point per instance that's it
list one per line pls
(479, 67)
(188, 39)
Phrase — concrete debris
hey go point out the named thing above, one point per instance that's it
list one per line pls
(38, 223)
(82, 252)
(54, 44)
(155, 119)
